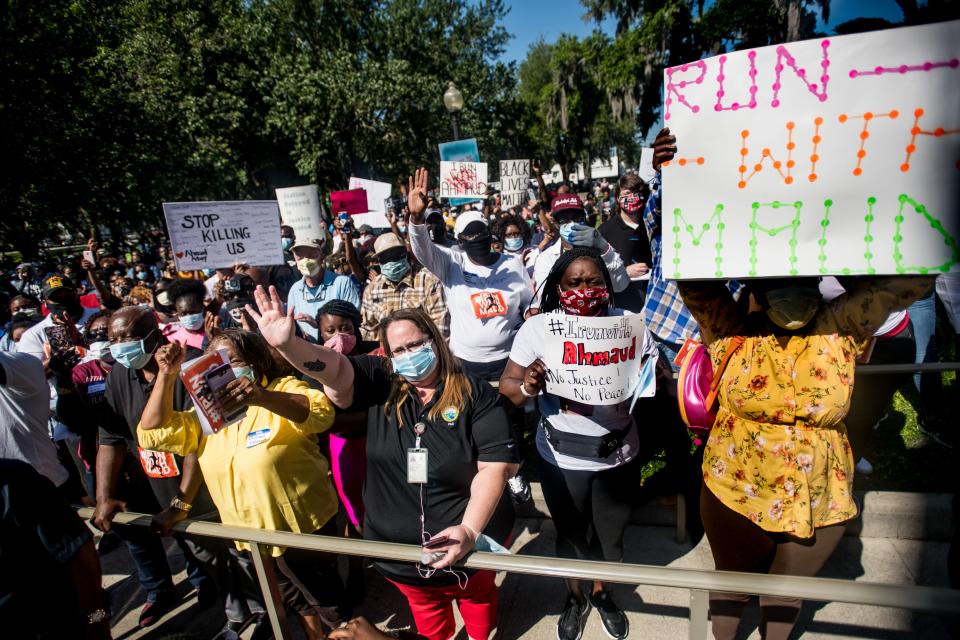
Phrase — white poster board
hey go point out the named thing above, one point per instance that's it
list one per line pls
(602, 167)
(377, 195)
(215, 235)
(593, 360)
(645, 169)
(514, 179)
(300, 209)
(463, 179)
(830, 156)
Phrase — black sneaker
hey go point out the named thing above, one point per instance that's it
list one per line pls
(573, 619)
(614, 620)
(519, 489)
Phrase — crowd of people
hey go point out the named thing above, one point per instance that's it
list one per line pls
(363, 367)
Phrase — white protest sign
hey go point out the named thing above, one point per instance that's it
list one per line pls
(514, 180)
(215, 235)
(645, 169)
(593, 360)
(831, 156)
(463, 179)
(300, 209)
(377, 195)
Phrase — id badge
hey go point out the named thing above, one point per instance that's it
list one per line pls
(257, 437)
(417, 466)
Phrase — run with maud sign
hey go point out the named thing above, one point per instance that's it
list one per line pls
(593, 360)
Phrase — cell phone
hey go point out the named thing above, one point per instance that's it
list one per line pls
(436, 541)
(89, 257)
(218, 378)
(59, 338)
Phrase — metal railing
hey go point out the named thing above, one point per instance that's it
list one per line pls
(699, 581)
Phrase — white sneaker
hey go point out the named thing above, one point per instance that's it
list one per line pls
(864, 467)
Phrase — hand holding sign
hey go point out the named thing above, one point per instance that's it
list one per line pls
(534, 378)
(664, 148)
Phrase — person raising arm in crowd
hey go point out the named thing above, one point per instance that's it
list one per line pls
(421, 400)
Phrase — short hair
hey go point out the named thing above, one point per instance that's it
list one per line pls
(342, 309)
(634, 183)
(106, 313)
(186, 287)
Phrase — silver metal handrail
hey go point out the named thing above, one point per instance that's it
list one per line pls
(699, 581)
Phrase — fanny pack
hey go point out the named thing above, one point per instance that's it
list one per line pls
(581, 446)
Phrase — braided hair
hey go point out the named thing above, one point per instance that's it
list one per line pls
(550, 298)
(343, 309)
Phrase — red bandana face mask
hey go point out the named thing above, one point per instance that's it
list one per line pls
(584, 302)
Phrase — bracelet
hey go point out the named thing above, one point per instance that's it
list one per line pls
(523, 390)
(180, 505)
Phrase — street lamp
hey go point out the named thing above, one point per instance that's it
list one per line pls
(453, 101)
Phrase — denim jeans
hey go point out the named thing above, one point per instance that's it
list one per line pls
(923, 316)
(148, 554)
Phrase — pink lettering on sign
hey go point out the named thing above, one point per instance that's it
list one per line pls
(673, 88)
(906, 68)
(783, 55)
(865, 133)
(916, 130)
(752, 104)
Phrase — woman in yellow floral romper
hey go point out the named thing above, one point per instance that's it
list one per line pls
(777, 467)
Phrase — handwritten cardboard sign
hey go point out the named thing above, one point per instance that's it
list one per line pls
(830, 156)
(214, 235)
(377, 195)
(350, 202)
(514, 181)
(459, 180)
(593, 360)
(460, 151)
(300, 208)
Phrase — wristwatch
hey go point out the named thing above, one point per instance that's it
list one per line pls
(97, 616)
(177, 503)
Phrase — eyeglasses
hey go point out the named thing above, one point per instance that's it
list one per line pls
(413, 346)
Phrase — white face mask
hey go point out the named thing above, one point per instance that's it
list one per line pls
(99, 350)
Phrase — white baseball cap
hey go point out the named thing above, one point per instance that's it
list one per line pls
(465, 219)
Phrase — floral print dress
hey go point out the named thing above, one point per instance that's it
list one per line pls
(778, 452)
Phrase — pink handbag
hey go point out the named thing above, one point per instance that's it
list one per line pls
(698, 385)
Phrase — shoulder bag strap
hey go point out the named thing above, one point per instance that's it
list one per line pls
(732, 348)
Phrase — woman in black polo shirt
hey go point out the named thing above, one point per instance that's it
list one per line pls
(439, 453)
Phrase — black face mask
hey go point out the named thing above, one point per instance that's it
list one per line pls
(478, 248)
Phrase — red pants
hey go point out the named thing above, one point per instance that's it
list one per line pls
(432, 607)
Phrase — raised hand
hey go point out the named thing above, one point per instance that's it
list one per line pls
(664, 148)
(417, 195)
(276, 327)
(169, 357)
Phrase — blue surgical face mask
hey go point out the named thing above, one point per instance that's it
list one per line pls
(132, 355)
(566, 231)
(402, 228)
(286, 243)
(395, 270)
(244, 372)
(192, 321)
(208, 273)
(142, 275)
(488, 544)
(416, 365)
(513, 244)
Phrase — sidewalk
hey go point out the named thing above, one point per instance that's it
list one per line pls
(530, 605)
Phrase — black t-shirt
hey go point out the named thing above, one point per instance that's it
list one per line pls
(634, 248)
(127, 396)
(39, 534)
(478, 432)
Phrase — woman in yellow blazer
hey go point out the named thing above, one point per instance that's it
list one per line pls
(265, 471)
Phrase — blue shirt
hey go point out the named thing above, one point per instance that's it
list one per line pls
(308, 300)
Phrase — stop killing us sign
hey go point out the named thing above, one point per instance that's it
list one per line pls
(839, 155)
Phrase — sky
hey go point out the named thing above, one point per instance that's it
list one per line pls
(529, 20)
